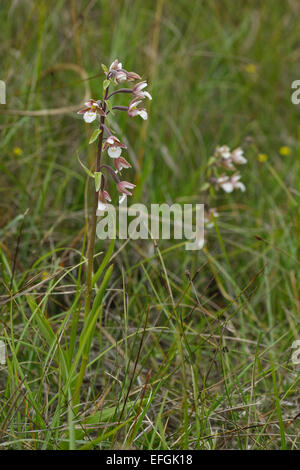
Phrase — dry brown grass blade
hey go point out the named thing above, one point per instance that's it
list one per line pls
(152, 69)
(64, 109)
(7, 298)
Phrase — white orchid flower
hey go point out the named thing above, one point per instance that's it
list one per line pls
(237, 156)
(91, 111)
(114, 146)
(133, 109)
(223, 152)
(138, 93)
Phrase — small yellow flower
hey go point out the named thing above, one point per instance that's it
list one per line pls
(250, 68)
(262, 157)
(285, 151)
(18, 151)
(45, 275)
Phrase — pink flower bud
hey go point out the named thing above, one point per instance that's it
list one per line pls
(121, 75)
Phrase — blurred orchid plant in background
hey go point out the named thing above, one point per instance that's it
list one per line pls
(216, 178)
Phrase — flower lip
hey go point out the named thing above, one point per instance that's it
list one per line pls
(89, 116)
(114, 151)
(102, 198)
(225, 183)
(114, 146)
(101, 207)
(143, 113)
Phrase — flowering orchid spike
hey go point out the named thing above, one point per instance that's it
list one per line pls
(133, 109)
(114, 146)
(123, 186)
(121, 163)
(92, 111)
